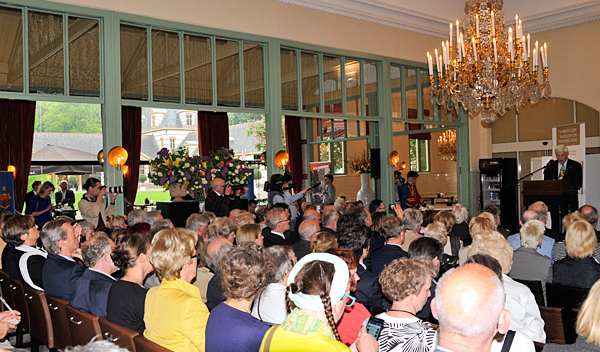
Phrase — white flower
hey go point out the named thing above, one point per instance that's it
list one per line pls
(160, 174)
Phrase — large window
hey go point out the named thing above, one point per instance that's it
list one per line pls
(419, 155)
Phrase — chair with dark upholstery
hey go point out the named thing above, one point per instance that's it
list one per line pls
(60, 324)
(143, 344)
(41, 323)
(537, 290)
(118, 334)
(21, 305)
(83, 326)
(6, 290)
(565, 296)
(558, 325)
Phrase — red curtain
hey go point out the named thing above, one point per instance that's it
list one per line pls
(17, 124)
(213, 131)
(131, 130)
(412, 114)
(294, 148)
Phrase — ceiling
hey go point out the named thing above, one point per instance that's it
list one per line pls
(433, 16)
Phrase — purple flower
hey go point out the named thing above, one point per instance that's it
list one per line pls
(187, 176)
(164, 152)
(172, 179)
(163, 180)
(224, 171)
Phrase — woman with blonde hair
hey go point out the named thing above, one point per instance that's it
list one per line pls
(320, 242)
(578, 268)
(245, 218)
(249, 235)
(447, 218)
(437, 230)
(41, 204)
(477, 225)
(559, 251)
(587, 326)
(175, 315)
(115, 222)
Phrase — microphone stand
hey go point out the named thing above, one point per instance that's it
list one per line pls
(517, 183)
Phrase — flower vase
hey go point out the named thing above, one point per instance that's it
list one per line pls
(178, 191)
(365, 194)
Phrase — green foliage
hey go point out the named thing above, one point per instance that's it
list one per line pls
(239, 118)
(258, 129)
(72, 179)
(143, 178)
(67, 117)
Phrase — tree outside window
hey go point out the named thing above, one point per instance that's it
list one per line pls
(419, 155)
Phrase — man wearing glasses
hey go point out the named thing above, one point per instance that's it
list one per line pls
(220, 199)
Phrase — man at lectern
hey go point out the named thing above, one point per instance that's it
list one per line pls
(569, 170)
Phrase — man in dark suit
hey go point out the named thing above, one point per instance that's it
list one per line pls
(278, 221)
(61, 272)
(214, 253)
(431, 249)
(329, 222)
(567, 169)
(220, 199)
(64, 195)
(29, 195)
(306, 230)
(356, 237)
(392, 231)
(591, 215)
(91, 293)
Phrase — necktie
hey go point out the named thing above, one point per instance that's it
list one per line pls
(562, 172)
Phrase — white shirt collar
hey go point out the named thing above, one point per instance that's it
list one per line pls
(278, 234)
(67, 258)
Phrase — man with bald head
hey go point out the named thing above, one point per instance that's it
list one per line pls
(307, 230)
(214, 253)
(460, 298)
(220, 199)
(547, 242)
(591, 215)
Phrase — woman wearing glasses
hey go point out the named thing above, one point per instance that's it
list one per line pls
(175, 315)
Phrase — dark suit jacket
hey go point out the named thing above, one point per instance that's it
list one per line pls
(214, 292)
(221, 206)
(597, 235)
(368, 291)
(573, 173)
(301, 249)
(91, 293)
(381, 258)
(60, 276)
(69, 199)
(28, 197)
(377, 241)
(425, 313)
(275, 240)
(462, 231)
(330, 231)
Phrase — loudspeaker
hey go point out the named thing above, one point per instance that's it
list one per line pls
(375, 163)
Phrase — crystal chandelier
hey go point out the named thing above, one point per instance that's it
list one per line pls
(486, 69)
(447, 145)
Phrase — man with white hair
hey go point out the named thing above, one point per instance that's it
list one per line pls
(329, 221)
(64, 194)
(153, 216)
(135, 216)
(547, 245)
(199, 224)
(412, 220)
(461, 227)
(567, 169)
(307, 230)
(460, 298)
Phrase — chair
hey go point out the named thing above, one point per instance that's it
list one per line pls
(6, 290)
(60, 324)
(537, 290)
(118, 334)
(20, 304)
(565, 296)
(83, 326)
(143, 344)
(41, 326)
(558, 325)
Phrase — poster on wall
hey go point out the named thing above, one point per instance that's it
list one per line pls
(7, 191)
(318, 170)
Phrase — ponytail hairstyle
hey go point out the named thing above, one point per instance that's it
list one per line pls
(315, 278)
(128, 250)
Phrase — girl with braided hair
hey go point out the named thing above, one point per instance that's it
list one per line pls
(316, 300)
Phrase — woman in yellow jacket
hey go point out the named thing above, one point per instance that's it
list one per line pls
(174, 314)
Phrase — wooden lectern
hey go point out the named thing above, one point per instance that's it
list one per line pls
(555, 193)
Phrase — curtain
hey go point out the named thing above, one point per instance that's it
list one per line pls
(17, 124)
(131, 131)
(412, 114)
(213, 131)
(294, 148)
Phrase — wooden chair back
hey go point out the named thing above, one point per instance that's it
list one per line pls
(83, 326)
(118, 334)
(60, 324)
(41, 324)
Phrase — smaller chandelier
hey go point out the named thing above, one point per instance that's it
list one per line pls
(447, 146)
(485, 69)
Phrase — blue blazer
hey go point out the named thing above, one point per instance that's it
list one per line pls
(91, 293)
(381, 258)
(60, 275)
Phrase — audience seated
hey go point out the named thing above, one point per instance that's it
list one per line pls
(24, 261)
(542, 210)
(560, 251)
(61, 272)
(461, 226)
(437, 230)
(244, 273)
(393, 233)
(412, 220)
(579, 268)
(591, 215)
(91, 291)
(214, 253)
(430, 249)
(520, 302)
(199, 224)
(527, 263)
(278, 222)
(116, 222)
(244, 218)
(269, 306)
(355, 313)
(406, 282)
(329, 222)
(203, 274)
(4, 215)
(320, 242)
(547, 242)
(306, 231)
(126, 297)
(135, 216)
(495, 211)
(249, 235)
(476, 225)
(175, 316)
(317, 285)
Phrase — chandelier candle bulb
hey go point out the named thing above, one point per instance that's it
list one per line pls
(528, 45)
(441, 67)
(429, 64)
(524, 49)
(545, 55)
(474, 50)
(535, 54)
(510, 49)
(451, 34)
(495, 51)
(447, 53)
(437, 61)
(535, 57)
(477, 24)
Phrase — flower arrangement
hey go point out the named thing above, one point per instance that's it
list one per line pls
(176, 167)
(360, 163)
(222, 163)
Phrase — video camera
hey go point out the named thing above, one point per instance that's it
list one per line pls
(115, 189)
(398, 176)
(287, 177)
(237, 187)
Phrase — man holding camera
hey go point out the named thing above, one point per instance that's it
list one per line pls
(220, 199)
(93, 205)
(280, 193)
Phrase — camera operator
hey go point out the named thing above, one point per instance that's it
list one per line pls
(221, 199)
(93, 205)
(282, 193)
